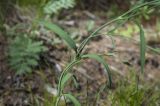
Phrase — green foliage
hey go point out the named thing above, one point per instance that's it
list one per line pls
(41, 7)
(158, 26)
(24, 54)
(130, 93)
(142, 47)
(55, 6)
(47, 6)
(102, 61)
(59, 31)
(79, 55)
(49, 99)
(146, 12)
(65, 80)
(127, 30)
(73, 99)
(90, 25)
(127, 94)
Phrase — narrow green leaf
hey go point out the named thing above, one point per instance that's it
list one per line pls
(76, 84)
(73, 99)
(61, 33)
(65, 71)
(155, 50)
(99, 92)
(142, 47)
(65, 79)
(101, 60)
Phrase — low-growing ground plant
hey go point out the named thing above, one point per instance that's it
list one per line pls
(130, 91)
(67, 73)
(24, 53)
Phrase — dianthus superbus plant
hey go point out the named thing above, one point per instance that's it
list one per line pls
(79, 55)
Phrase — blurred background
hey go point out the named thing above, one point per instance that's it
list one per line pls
(32, 57)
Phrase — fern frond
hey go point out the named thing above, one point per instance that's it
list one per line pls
(55, 6)
(24, 54)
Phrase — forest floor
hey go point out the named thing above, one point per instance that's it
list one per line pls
(28, 90)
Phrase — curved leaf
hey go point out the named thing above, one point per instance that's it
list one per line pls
(65, 79)
(73, 99)
(101, 60)
(61, 33)
(63, 74)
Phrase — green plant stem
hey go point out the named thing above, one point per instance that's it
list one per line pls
(137, 7)
(122, 17)
(69, 66)
(64, 72)
(82, 45)
(126, 16)
(57, 100)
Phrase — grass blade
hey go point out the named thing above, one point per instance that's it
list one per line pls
(155, 50)
(73, 99)
(65, 79)
(102, 61)
(61, 33)
(142, 47)
(65, 71)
